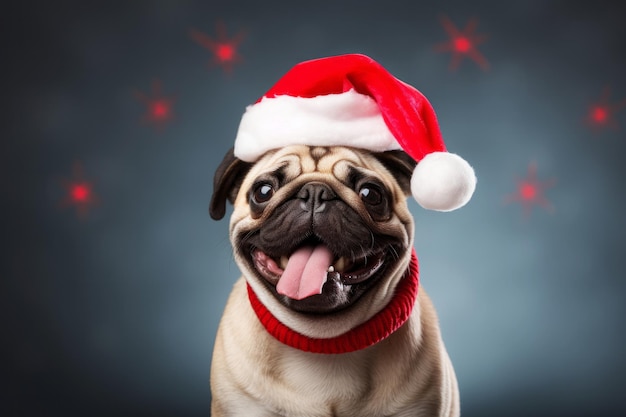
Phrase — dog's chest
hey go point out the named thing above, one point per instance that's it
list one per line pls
(338, 375)
(337, 383)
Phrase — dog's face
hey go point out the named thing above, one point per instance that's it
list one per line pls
(318, 227)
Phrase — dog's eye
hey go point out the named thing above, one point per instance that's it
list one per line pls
(263, 192)
(371, 194)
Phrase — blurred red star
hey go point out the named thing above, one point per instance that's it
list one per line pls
(601, 114)
(530, 192)
(159, 109)
(224, 49)
(79, 192)
(462, 43)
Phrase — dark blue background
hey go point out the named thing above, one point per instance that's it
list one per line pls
(115, 313)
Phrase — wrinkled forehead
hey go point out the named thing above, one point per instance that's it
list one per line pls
(293, 161)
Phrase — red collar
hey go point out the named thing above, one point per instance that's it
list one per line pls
(379, 327)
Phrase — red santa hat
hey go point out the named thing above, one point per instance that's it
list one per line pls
(351, 100)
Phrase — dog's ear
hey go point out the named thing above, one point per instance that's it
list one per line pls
(400, 165)
(228, 178)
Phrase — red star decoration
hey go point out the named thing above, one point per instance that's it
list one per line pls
(601, 114)
(224, 49)
(530, 191)
(462, 44)
(158, 107)
(79, 193)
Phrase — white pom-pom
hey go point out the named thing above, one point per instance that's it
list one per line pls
(443, 181)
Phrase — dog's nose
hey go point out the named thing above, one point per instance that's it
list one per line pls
(314, 196)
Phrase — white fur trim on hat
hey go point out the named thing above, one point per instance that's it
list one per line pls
(346, 119)
(443, 181)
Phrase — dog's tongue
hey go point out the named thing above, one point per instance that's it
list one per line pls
(306, 272)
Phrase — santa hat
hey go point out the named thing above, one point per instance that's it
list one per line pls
(351, 100)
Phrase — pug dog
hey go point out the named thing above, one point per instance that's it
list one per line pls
(324, 240)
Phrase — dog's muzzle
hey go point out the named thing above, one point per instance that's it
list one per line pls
(315, 252)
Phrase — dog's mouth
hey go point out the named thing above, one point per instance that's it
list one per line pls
(303, 273)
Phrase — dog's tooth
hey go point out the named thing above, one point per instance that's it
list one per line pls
(283, 262)
(340, 264)
(331, 269)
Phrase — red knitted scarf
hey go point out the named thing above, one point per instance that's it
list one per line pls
(379, 327)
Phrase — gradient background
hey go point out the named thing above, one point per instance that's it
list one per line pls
(115, 313)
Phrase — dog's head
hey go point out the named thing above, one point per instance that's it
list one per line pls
(318, 229)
